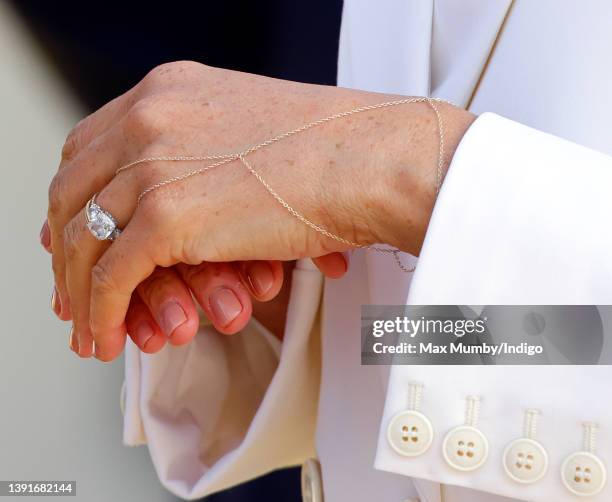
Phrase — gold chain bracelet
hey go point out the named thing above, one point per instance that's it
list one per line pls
(222, 159)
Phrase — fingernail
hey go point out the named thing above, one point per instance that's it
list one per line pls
(45, 236)
(100, 354)
(260, 277)
(56, 304)
(225, 306)
(144, 332)
(73, 341)
(172, 316)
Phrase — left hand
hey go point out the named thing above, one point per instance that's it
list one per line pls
(367, 180)
(162, 308)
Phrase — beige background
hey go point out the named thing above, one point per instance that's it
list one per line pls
(59, 415)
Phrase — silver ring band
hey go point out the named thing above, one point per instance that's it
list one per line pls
(102, 225)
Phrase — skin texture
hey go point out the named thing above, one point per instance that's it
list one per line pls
(369, 178)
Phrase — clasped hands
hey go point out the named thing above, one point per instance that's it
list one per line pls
(219, 238)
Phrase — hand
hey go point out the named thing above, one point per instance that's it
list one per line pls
(162, 308)
(351, 176)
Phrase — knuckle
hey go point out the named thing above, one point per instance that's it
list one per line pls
(159, 213)
(102, 281)
(157, 283)
(155, 210)
(158, 71)
(165, 70)
(195, 273)
(57, 194)
(72, 242)
(164, 75)
(187, 64)
(193, 252)
(73, 140)
(145, 120)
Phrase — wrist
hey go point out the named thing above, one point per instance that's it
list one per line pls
(408, 171)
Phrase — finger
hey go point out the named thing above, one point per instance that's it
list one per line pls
(114, 278)
(262, 278)
(143, 328)
(220, 292)
(170, 302)
(89, 131)
(70, 189)
(333, 265)
(82, 251)
(95, 124)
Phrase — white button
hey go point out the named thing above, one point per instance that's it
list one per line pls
(410, 433)
(525, 461)
(583, 474)
(312, 487)
(465, 448)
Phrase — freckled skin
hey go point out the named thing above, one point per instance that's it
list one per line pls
(368, 178)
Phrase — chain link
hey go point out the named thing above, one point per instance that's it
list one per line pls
(222, 159)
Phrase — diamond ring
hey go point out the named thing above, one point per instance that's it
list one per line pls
(100, 223)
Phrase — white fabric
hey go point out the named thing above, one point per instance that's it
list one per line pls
(223, 410)
(511, 245)
(547, 71)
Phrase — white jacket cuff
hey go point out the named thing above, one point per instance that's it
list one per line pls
(522, 218)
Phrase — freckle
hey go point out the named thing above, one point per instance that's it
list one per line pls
(290, 162)
(332, 162)
(339, 145)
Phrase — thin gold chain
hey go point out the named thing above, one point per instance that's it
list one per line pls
(221, 159)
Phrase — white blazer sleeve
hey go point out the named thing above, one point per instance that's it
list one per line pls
(225, 409)
(523, 218)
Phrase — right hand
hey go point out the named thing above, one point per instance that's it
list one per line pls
(162, 308)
